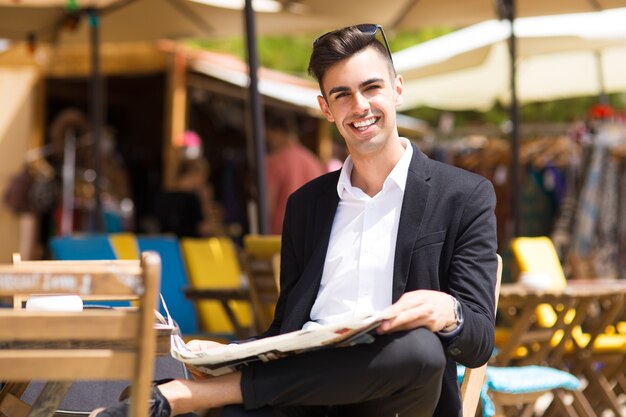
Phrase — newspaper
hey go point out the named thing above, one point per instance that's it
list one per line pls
(228, 358)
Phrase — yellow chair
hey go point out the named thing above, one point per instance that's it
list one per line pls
(262, 264)
(262, 246)
(537, 257)
(213, 264)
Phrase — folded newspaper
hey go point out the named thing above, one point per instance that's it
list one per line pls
(228, 358)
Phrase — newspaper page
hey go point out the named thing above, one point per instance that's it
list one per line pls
(228, 358)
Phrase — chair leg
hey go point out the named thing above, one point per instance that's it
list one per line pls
(579, 407)
(582, 406)
(49, 398)
(527, 410)
(604, 389)
(10, 402)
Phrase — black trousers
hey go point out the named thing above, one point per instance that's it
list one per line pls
(397, 375)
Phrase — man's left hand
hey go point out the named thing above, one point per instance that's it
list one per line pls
(421, 308)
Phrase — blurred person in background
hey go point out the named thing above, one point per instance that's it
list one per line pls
(187, 210)
(289, 165)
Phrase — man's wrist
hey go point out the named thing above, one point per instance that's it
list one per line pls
(458, 317)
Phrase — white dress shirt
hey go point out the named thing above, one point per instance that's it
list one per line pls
(358, 270)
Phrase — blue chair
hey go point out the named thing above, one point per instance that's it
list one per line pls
(81, 248)
(173, 281)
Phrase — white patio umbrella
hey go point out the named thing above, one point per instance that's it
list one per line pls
(553, 57)
(558, 57)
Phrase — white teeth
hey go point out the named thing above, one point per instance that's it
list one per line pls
(364, 123)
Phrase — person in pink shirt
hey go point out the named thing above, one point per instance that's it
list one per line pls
(289, 165)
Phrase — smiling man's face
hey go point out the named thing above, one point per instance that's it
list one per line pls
(361, 99)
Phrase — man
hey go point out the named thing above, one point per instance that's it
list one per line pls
(289, 165)
(391, 231)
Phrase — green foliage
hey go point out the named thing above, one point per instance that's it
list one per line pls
(284, 53)
(406, 39)
(291, 53)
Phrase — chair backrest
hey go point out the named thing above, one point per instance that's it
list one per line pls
(474, 378)
(81, 248)
(259, 259)
(213, 263)
(20, 299)
(262, 246)
(174, 281)
(259, 255)
(537, 256)
(98, 344)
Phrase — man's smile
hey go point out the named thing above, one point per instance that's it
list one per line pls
(362, 125)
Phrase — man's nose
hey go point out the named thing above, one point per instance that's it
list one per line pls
(360, 103)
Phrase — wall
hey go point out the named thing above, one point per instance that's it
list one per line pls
(19, 126)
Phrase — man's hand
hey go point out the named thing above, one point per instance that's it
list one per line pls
(198, 345)
(421, 308)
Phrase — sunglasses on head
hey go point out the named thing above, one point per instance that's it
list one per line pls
(367, 28)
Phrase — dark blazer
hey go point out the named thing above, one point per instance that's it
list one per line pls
(446, 241)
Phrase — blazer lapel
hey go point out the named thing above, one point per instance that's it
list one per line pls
(304, 294)
(411, 216)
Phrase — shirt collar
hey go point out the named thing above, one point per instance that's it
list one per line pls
(398, 174)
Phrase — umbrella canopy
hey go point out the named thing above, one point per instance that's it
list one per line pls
(411, 14)
(136, 20)
(558, 57)
(131, 20)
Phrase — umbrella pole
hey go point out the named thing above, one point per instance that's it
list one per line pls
(256, 115)
(97, 110)
(507, 11)
(602, 96)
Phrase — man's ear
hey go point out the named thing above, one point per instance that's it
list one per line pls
(399, 88)
(324, 108)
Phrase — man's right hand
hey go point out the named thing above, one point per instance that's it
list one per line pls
(198, 345)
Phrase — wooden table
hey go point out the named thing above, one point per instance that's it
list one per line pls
(583, 306)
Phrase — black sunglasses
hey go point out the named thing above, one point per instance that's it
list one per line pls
(368, 29)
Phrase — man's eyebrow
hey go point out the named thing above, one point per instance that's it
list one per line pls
(338, 90)
(363, 84)
(371, 81)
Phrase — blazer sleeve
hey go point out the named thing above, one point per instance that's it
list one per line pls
(472, 276)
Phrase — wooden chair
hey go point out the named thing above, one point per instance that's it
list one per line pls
(261, 258)
(514, 390)
(537, 255)
(474, 378)
(93, 344)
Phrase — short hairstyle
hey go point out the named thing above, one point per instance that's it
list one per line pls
(340, 44)
(281, 120)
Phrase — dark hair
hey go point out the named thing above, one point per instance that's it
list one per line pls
(281, 120)
(339, 45)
